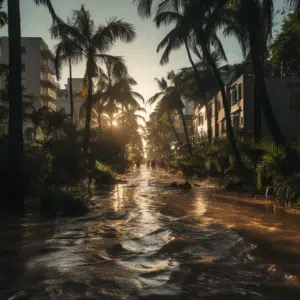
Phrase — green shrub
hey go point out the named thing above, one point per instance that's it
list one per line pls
(103, 174)
(279, 168)
(232, 182)
(65, 202)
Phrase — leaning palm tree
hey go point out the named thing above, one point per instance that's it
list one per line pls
(163, 86)
(59, 61)
(251, 23)
(90, 43)
(196, 25)
(177, 37)
(170, 100)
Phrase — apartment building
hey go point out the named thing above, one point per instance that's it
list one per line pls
(63, 100)
(284, 94)
(37, 72)
(200, 122)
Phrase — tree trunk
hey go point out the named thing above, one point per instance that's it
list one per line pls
(99, 121)
(201, 89)
(174, 129)
(261, 90)
(71, 92)
(186, 132)
(229, 130)
(88, 109)
(257, 122)
(165, 141)
(34, 132)
(15, 124)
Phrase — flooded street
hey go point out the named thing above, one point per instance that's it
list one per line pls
(147, 241)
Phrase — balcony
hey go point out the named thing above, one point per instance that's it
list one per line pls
(46, 52)
(47, 80)
(48, 94)
(47, 66)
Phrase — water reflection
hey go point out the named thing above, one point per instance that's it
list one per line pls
(148, 241)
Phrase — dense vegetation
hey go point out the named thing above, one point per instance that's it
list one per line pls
(239, 160)
(57, 163)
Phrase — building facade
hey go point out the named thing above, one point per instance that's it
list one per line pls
(284, 95)
(38, 79)
(63, 100)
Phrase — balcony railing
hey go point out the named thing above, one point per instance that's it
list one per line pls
(46, 92)
(47, 77)
(47, 65)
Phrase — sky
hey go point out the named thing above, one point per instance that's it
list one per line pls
(140, 55)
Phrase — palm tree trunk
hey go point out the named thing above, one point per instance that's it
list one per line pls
(186, 132)
(174, 129)
(257, 125)
(99, 121)
(88, 109)
(229, 130)
(15, 125)
(165, 140)
(201, 89)
(261, 90)
(71, 92)
(34, 132)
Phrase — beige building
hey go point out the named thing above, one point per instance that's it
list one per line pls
(284, 94)
(63, 100)
(37, 72)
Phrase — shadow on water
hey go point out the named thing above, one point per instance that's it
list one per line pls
(147, 241)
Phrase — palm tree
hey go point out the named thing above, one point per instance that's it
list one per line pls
(15, 126)
(59, 60)
(251, 23)
(37, 118)
(55, 121)
(170, 101)
(163, 86)
(177, 37)
(197, 24)
(90, 43)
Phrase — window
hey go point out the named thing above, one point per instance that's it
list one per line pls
(200, 119)
(63, 110)
(23, 68)
(236, 121)
(23, 84)
(223, 127)
(23, 50)
(233, 95)
(240, 92)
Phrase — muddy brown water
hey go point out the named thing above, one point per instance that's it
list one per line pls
(147, 241)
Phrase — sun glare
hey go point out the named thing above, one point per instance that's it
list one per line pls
(115, 123)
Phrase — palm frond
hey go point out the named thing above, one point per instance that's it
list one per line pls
(115, 30)
(154, 98)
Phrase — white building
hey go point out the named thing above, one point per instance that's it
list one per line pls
(63, 100)
(37, 72)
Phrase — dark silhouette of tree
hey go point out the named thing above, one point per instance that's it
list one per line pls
(90, 43)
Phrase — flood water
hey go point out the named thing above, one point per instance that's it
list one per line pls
(146, 241)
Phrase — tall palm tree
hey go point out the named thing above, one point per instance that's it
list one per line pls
(177, 37)
(163, 86)
(197, 24)
(170, 100)
(251, 23)
(90, 43)
(15, 126)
